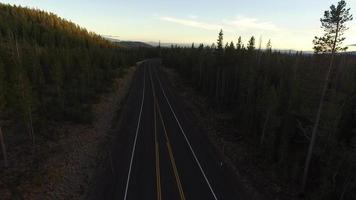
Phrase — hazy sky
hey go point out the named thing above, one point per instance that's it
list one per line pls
(290, 24)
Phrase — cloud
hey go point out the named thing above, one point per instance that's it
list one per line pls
(352, 45)
(192, 23)
(251, 24)
(194, 17)
(282, 37)
(233, 25)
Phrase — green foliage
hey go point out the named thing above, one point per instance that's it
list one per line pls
(51, 69)
(220, 41)
(239, 44)
(334, 25)
(251, 44)
(273, 98)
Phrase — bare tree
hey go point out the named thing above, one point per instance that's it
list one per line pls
(3, 148)
(2, 107)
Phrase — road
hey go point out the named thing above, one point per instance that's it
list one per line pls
(159, 152)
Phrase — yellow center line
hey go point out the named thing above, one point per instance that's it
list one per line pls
(158, 174)
(158, 171)
(170, 151)
(169, 147)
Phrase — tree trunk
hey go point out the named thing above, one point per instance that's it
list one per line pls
(3, 148)
(29, 110)
(265, 126)
(200, 74)
(223, 85)
(217, 89)
(345, 187)
(235, 79)
(317, 120)
(32, 135)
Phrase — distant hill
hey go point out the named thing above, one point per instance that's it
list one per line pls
(52, 69)
(45, 29)
(133, 44)
(128, 44)
(169, 44)
(352, 52)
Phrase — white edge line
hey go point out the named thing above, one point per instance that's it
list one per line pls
(137, 129)
(186, 139)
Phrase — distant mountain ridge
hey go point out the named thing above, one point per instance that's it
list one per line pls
(44, 29)
(133, 44)
(128, 44)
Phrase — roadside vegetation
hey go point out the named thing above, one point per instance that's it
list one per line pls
(297, 110)
(52, 73)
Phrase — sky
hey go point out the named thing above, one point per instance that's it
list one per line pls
(290, 24)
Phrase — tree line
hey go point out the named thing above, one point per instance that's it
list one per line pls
(281, 101)
(52, 70)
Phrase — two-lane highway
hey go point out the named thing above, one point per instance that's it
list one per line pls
(159, 153)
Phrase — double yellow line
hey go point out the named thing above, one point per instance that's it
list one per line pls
(158, 171)
(169, 147)
(174, 166)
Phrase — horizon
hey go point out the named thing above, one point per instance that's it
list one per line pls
(119, 100)
(188, 22)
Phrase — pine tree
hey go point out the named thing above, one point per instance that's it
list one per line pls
(260, 44)
(271, 101)
(57, 75)
(334, 25)
(269, 46)
(220, 63)
(239, 44)
(54, 63)
(251, 44)
(220, 40)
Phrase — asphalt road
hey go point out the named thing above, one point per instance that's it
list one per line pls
(159, 153)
